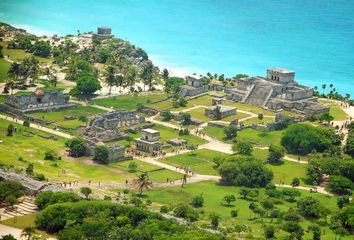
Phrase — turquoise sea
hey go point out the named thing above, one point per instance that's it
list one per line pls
(313, 37)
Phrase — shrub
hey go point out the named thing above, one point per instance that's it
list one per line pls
(340, 185)
(44, 199)
(234, 213)
(164, 209)
(198, 201)
(10, 129)
(9, 187)
(39, 177)
(166, 115)
(230, 132)
(101, 154)
(50, 155)
(269, 231)
(133, 167)
(309, 207)
(276, 153)
(186, 212)
(77, 147)
(26, 123)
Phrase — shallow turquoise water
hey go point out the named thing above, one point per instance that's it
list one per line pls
(314, 38)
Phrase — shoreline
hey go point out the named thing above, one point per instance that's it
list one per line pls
(182, 71)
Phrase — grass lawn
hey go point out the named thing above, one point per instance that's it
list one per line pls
(4, 67)
(199, 114)
(251, 121)
(18, 54)
(21, 221)
(155, 173)
(287, 170)
(213, 203)
(26, 143)
(58, 116)
(260, 137)
(128, 102)
(167, 105)
(199, 161)
(335, 110)
(216, 132)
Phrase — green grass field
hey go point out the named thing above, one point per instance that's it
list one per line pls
(259, 137)
(216, 132)
(287, 170)
(335, 110)
(31, 147)
(128, 102)
(4, 67)
(18, 54)
(167, 105)
(155, 173)
(213, 195)
(199, 161)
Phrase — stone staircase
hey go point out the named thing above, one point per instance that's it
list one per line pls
(259, 95)
(25, 206)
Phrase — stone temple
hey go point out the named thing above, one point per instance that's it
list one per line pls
(278, 90)
(103, 33)
(224, 111)
(37, 101)
(149, 141)
(194, 87)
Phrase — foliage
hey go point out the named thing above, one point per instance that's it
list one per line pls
(349, 146)
(342, 201)
(79, 68)
(10, 188)
(295, 182)
(44, 199)
(132, 167)
(230, 131)
(228, 199)
(166, 116)
(304, 138)
(244, 171)
(7, 237)
(214, 218)
(50, 155)
(77, 147)
(276, 153)
(186, 212)
(42, 49)
(340, 185)
(30, 169)
(101, 154)
(309, 207)
(198, 201)
(142, 182)
(185, 118)
(243, 148)
(183, 132)
(173, 84)
(10, 129)
(269, 231)
(86, 191)
(86, 86)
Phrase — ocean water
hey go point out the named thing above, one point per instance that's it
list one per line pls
(314, 38)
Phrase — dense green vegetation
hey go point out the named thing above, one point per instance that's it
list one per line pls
(100, 219)
(304, 138)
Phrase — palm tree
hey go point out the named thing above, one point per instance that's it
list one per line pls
(54, 80)
(131, 77)
(119, 81)
(147, 75)
(28, 232)
(110, 79)
(142, 182)
(165, 74)
(324, 87)
(47, 72)
(14, 71)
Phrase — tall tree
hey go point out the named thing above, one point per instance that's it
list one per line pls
(110, 79)
(147, 75)
(142, 182)
(165, 74)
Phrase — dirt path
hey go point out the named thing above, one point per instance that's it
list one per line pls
(36, 126)
(16, 232)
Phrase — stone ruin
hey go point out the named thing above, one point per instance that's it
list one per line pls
(37, 101)
(194, 87)
(225, 111)
(106, 128)
(30, 185)
(277, 91)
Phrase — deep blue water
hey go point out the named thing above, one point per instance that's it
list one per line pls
(314, 38)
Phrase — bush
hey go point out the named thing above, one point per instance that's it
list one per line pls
(186, 212)
(198, 201)
(50, 155)
(234, 213)
(340, 185)
(276, 153)
(309, 207)
(9, 187)
(77, 147)
(10, 130)
(26, 123)
(133, 167)
(39, 177)
(164, 209)
(101, 154)
(269, 231)
(244, 148)
(183, 132)
(230, 132)
(166, 116)
(44, 199)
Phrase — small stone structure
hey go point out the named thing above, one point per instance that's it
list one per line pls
(224, 111)
(149, 141)
(194, 87)
(216, 101)
(37, 101)
(103, 33)
(277, 91)
(177, 142)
